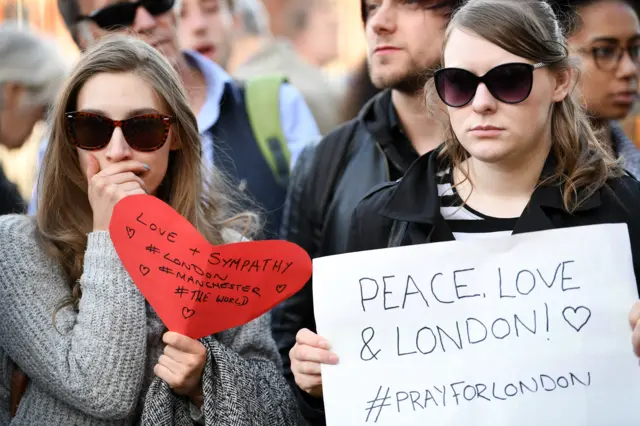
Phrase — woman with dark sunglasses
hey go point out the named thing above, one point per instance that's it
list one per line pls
(605, 35)
(520, 154)
(71, 319)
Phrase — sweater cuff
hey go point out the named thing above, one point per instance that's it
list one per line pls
(101, 256)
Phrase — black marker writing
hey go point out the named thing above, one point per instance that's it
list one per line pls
(525, 281)
(171, 236)
(180, 291)
(165, 270)
(459, 334)
(249, 265)
(366, 340)
(576, 317)
(377, 403)
(460, 393)
(199, 296)
(152, 249)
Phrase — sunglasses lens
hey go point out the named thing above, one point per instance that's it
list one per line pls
(145, 132)
(510, 83)
(123, 14)
(89, 132)
(158, 7)
(118, 15)
(456, 87)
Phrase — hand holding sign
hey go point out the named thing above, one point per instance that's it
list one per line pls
(198, 289)
(634, 321)
(307, 356)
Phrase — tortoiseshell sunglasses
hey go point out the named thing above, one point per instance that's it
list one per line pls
(91, 132)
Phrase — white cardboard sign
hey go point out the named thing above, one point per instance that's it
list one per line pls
(530, 329)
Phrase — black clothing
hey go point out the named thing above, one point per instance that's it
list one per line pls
(325, 186)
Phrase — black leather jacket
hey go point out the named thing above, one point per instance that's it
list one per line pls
(325, 186)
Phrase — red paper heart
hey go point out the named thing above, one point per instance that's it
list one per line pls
(195, 288)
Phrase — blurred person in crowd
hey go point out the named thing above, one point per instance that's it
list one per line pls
(312, 26)
(263, 54)
(251, 32)
(218, 102)
(94, 352)
(360, 89)
(389, 134)
(520, 154)
(31, 70)
(277, 18)
(16, 11)
(605, 34)
(207, 26)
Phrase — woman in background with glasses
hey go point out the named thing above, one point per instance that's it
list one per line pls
(605, 34)
(94, 352)
(520, 155)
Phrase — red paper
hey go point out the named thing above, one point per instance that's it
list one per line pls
(195, 288)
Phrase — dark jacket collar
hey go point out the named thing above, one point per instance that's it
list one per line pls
(415, 198)
(380, 121)
(374, 116)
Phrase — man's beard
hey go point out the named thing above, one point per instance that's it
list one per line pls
(411, 82)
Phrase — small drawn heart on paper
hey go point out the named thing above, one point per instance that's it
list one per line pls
(576, 317)
(144, 270)
(131, 232)
(187, 313)
(280, 288)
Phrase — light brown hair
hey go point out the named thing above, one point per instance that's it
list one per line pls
(64, 216)
(530, 29)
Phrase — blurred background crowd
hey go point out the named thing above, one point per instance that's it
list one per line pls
(318, 44)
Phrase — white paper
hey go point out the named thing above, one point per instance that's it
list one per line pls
(583, 367)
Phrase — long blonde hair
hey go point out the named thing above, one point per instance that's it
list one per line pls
(530, 29)
(64, 216)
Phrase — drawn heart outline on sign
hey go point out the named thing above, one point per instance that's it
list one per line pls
(195, 288)
(578, 317)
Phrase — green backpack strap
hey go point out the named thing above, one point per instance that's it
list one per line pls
(262, 99)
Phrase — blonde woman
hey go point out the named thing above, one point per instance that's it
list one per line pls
(71, 318)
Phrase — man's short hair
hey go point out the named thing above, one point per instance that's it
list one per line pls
(451, 3)
(567, 12)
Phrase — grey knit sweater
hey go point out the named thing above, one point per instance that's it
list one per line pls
(95, 366)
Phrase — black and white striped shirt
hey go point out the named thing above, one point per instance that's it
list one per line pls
(464, 222)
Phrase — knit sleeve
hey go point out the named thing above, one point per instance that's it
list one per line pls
(91, 358)
(242, 384)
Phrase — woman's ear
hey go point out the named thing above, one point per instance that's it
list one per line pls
(563, 83)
